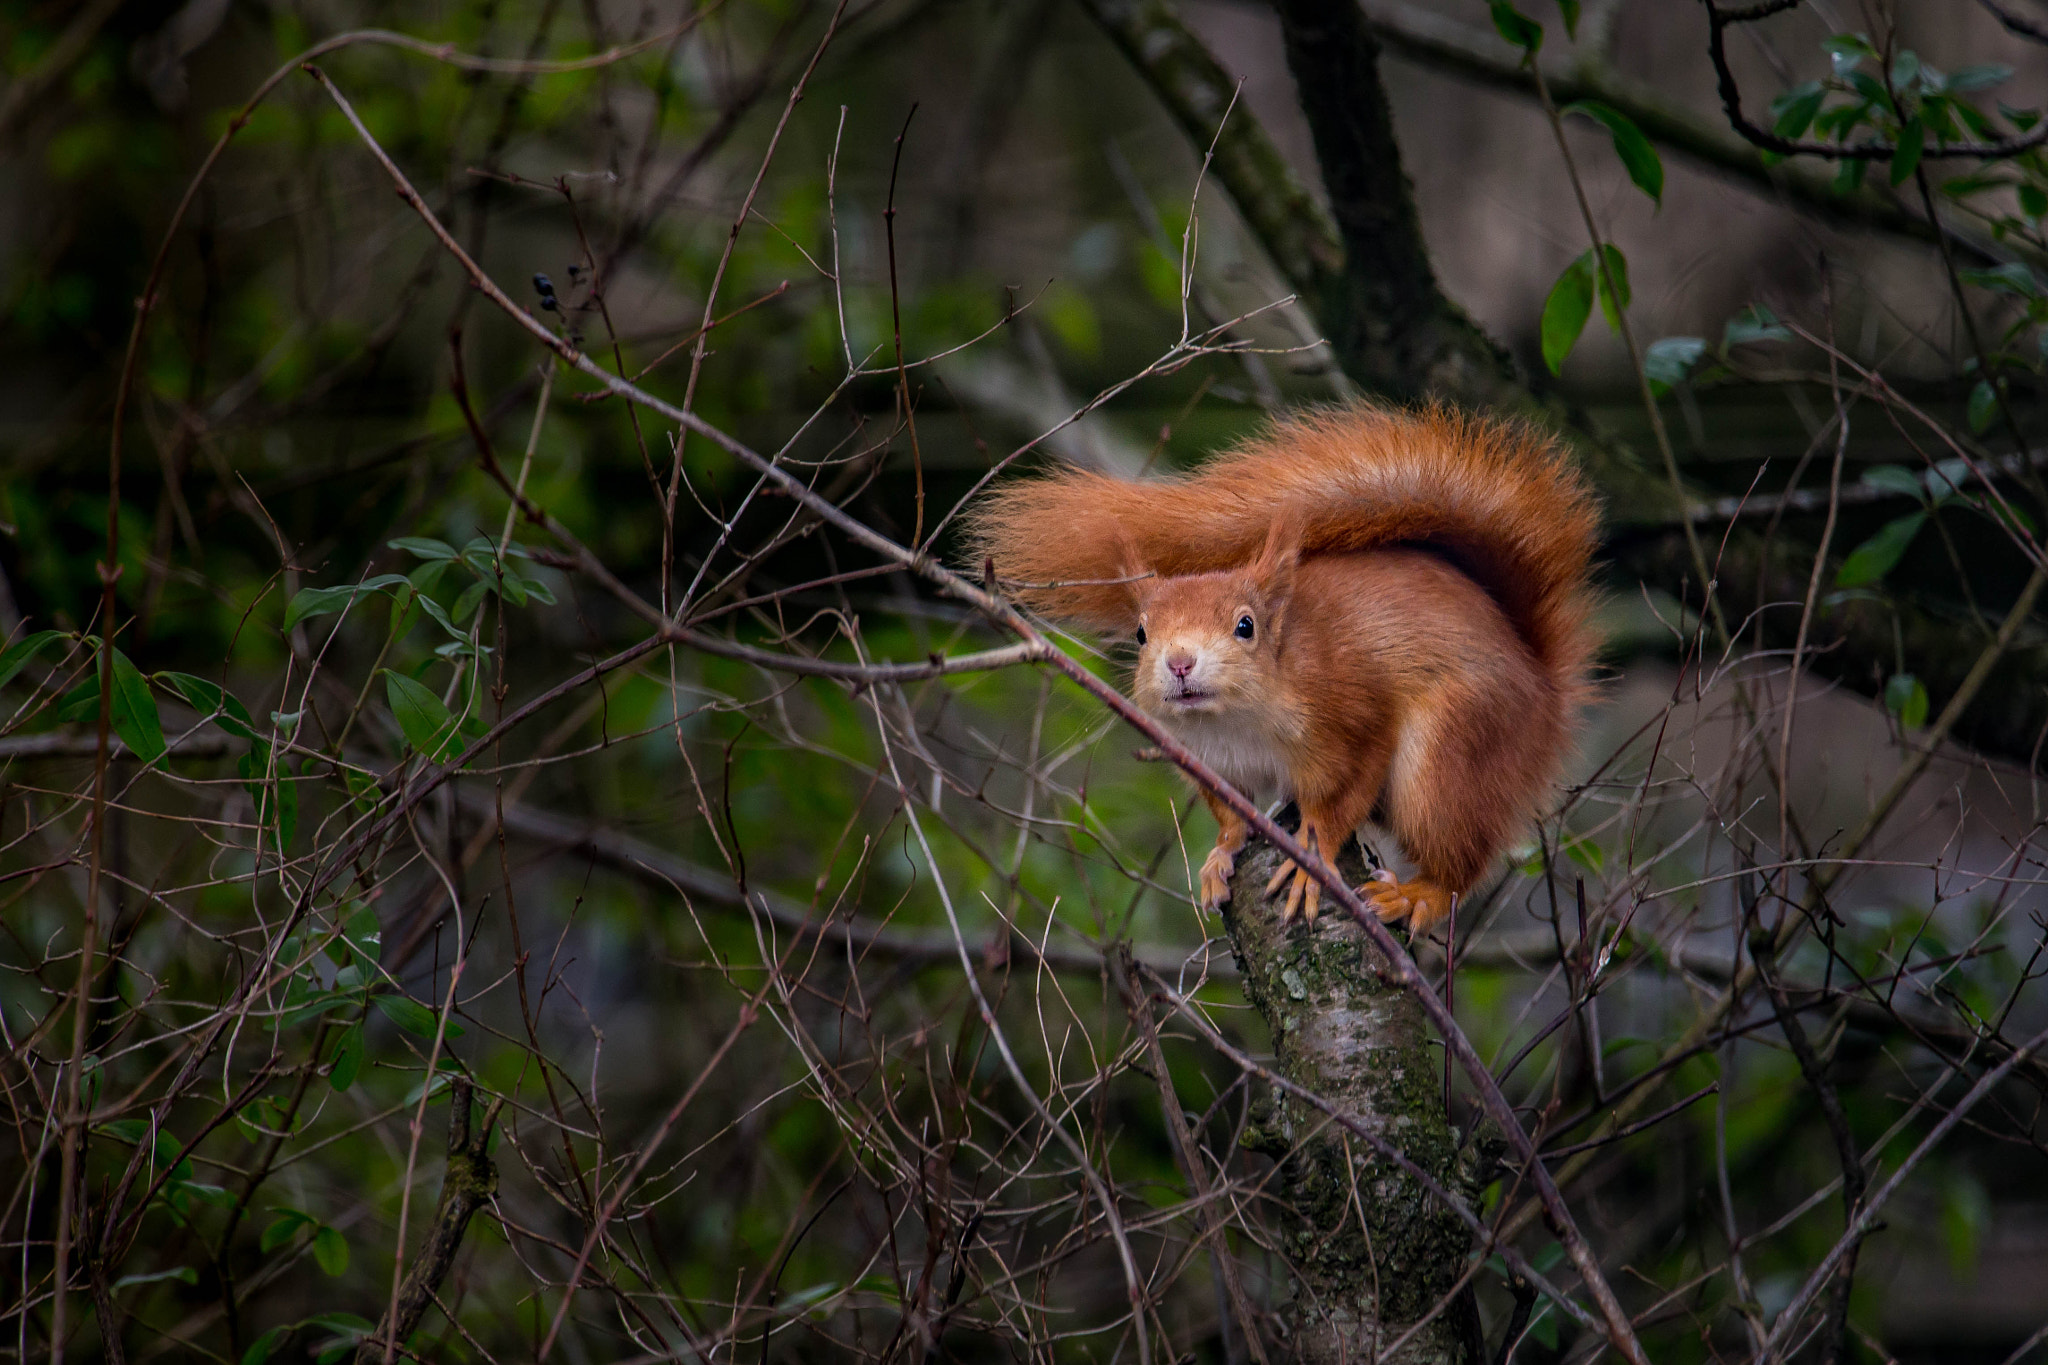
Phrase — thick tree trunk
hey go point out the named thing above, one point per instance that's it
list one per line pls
(1371, 1253)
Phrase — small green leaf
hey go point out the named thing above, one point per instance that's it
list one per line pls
(1891, 478)
(1869, 562)
(1754, 324)
(1566, 310)
(265, 1346)
(1983, 77)
(1847, 51)
(130, 1131)
(1794, 110)
(1570, 10)
(1849, 175)
(134, 713)
(348, 1060)
(410, 1015)
(362, 789)
(1905, 70)
(466, 605)
(1638, 157)
(363, 934)
(2012, 277)
(1517, 27)
(213, 701)
(21, 651)
(1613, 285)
(283, 1228)
(424, 547)
(1912, 138)
(330, 1249)
(183, 1274)
(2033, 201)
(422, 718)
(1905, 696)
(1965, 1213)
(1585, 853)
(1983, 406)
(321, 601)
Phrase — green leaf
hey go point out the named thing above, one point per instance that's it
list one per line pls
(1965, 1213)
(1794, 110)
(321, 601)
(1892, 478)
(1849, 175)
(362, 789)
(1570, 10)
(1905, 69)
(1869, 562)
(363, 934)
(1981, 77)
(537, 590)
(410, 1015)
(214, 702)
(1754, 324)
(1905, 696)
(330, 1249)
(1613, 285)
(1640, 159)
(348, 1060)
(1517, 27)
(283, 1228)
(1983, 406)
(422, 718)
(1847, 51)
(1912, 138)
(261, 1349)
(183, 1274)
(134, 713)
(1585, 853)
(1566, 310)
(2012, 277)
(130, 1131)
(21, 651)
(424, 547)
(2033, 201)
(466, 605)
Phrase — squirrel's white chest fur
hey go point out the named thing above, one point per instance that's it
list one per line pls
(1245, 756)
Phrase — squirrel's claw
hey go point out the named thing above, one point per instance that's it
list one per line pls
(1304, 893)
(1216, 871)
(1421, 903)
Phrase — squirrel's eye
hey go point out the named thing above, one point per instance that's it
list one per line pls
(1244, 627)
(1141, 637)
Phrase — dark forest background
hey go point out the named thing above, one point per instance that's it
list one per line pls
(515, 843)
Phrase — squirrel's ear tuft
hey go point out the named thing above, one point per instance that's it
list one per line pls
(1273, 570)
(1132, 565)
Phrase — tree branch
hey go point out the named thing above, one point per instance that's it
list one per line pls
(470, 1181)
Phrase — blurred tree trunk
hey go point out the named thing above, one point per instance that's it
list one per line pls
(1372, 1253)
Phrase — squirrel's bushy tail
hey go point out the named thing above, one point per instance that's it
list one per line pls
(1498, 498)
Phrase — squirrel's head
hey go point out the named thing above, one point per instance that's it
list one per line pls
(1209, 644)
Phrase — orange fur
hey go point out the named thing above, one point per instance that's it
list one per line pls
(1377, 613)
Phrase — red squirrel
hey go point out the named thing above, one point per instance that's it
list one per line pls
(1380, 614)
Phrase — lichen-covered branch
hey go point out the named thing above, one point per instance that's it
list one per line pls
(1372, 1252)
(470, 1181)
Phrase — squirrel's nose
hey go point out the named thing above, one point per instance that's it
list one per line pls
(1181, 663)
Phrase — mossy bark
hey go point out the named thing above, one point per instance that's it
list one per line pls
(1371, 1252)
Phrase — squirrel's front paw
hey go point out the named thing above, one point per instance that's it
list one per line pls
(1422, 903)
(1304, 893)
(1216, 871)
